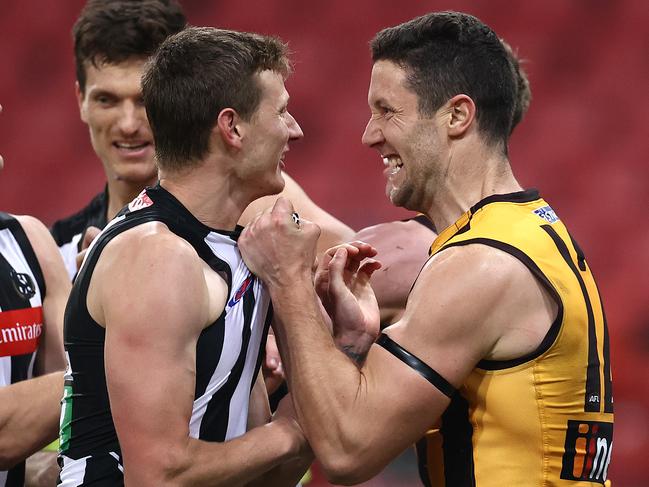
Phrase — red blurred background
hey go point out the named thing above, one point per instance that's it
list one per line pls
(581, 143)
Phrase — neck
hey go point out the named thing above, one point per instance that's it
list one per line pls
(470, 182)
(121, 193)
(214, 199)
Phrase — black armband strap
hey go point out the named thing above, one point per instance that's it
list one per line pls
(413, 362)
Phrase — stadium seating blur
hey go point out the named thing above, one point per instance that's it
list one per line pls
(581, 144)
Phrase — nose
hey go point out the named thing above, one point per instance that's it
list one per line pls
(373, 134)
(294, 129)
(131, 118)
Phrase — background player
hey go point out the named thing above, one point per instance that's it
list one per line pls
(112, 41)
(33, 292)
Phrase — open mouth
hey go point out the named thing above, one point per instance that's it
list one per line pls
(393, 164)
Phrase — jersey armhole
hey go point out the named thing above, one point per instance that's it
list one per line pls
(552, 333)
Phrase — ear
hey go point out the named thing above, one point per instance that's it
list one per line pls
(80, 101)
(461, 115)
(230, 127)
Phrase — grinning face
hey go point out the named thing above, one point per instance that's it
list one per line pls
(269, 132)
(411, 147)
(113, 109)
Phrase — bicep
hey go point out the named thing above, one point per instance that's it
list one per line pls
(152, 326)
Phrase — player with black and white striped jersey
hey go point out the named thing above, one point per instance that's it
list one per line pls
(165, 327)
(33, 291)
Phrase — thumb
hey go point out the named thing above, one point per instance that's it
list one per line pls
(89, 236)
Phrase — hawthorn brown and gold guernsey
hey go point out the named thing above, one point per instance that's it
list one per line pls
(545, 419)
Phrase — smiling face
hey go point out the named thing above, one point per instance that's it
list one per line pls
(269, 132)
(412, 147)
(112, 107)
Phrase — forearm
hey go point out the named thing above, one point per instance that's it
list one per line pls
(29, 417)
(328, 388)
(198, 463)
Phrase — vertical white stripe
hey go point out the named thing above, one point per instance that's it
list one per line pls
(72, 472)
(5, 371)
(225, 249)
(3, 478)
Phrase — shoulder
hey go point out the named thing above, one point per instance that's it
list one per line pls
(47, 254)
(150, 270)
(39, 237)
(467, 299)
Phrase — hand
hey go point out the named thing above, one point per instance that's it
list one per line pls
(286, 412)
(342, 283)
(272, 368)
(88, 237)
(277, 249)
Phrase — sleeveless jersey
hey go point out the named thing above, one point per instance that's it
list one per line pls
(22, 291)
(68, 232)
(228, 352)
(545, 419)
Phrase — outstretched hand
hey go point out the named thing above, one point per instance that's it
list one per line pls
(343, 285)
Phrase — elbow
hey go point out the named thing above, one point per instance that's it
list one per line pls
(158, 466)
(348, 465)
(8, 454)
(346, 470)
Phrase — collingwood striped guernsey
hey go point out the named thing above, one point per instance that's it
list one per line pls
(21, 316)
(228, 352)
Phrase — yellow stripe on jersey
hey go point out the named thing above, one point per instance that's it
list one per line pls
(547, 418)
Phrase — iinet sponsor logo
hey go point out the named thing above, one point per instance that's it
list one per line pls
(20, 330)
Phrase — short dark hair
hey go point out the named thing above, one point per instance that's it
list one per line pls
(523, 89)
(448, 53)
(113, 31)
(193, 76)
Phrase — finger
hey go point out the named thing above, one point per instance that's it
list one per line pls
(369, 267)
(89, 236)
(364, 248)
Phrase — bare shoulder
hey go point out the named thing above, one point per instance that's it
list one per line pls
(469, 303)
(46, 251)
(151, 270)
(402, 248)
(36, 232)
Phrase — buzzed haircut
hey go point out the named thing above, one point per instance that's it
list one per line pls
(193, 76)
(113, 31)
(449, 53)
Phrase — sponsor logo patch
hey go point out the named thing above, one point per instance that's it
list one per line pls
(547, 213)
(142, 201)
(587, 451)
(20, 330)
(242, 290)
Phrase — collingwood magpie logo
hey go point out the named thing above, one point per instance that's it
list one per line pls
(23, 284)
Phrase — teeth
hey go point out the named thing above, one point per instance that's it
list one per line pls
(130, 146)
(394, 161)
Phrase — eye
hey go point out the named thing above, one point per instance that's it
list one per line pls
(104, 99)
